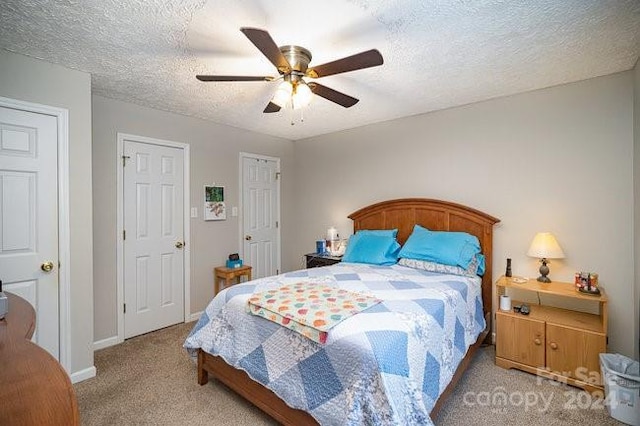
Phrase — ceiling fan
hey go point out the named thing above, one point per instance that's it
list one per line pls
(292, 64)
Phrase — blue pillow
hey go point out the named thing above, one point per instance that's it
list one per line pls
(353, 240)
(448, 248)
(373, 248)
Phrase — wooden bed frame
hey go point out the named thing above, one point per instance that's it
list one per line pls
(402, 214)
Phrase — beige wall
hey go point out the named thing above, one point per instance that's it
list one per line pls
(32, 80)
(214, 158)
(559, 160)
(636, 192)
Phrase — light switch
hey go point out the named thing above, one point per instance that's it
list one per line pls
(194, 212)
(234, 211)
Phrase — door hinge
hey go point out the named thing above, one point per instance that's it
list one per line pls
(124, 308)
(124, 235)
(277, 271)
(277, 224)
(277, 175)
(124, 160)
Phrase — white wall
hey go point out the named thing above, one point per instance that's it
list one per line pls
(214, 158)
(559, 160)
(36, 81)
(636, 192)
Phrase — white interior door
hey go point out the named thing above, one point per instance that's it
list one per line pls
(29, 217)
(154, 237)
(260, 215)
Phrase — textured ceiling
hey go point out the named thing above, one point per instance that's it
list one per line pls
(438, 53)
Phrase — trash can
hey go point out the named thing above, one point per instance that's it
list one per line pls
(621, 387)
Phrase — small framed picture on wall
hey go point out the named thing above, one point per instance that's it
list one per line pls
(214, 206)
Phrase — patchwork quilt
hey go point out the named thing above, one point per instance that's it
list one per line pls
(308, 308)
(385, 365)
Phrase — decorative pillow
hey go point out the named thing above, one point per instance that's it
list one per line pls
(448, 248)
(477, 265)
(425, 265)
(372, 247)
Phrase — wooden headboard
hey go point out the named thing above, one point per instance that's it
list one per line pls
(435, 215)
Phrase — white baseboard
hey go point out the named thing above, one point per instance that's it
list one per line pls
(85, 374)
(195, 316)
(113, 340)
(105, 343)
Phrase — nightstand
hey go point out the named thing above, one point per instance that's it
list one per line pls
(229, 275)
(314, 260)
(555, 343)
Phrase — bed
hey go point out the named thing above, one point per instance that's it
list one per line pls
(242, 372)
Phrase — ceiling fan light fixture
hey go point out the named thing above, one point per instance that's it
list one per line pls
(302, 95)
(283, 94)
(292, 63)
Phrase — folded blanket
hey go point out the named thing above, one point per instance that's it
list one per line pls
(309, 309)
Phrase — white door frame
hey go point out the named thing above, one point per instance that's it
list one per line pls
(64, 243)
(241, 234)
(120, 225)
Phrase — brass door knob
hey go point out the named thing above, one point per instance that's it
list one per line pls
(537, 341)
(553, 345)
(47, 266)
(179, 244)
(247, 237)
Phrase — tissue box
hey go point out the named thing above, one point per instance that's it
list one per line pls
(234, 263)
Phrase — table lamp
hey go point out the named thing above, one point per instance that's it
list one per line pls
(544, 246)
(332, 240)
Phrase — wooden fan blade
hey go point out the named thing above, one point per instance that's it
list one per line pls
(232, 78)
(370, 58)
(332, 95)
(263, 41)
(271, 107)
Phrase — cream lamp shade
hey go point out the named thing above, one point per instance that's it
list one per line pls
(545, 246)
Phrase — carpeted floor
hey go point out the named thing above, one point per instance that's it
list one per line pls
(150, 380)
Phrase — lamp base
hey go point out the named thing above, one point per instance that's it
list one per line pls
(544, 271)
